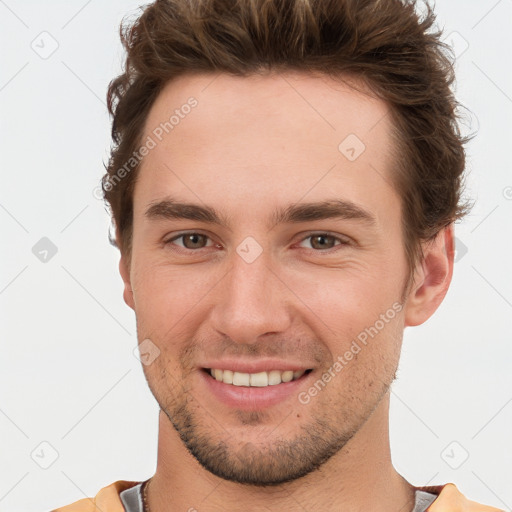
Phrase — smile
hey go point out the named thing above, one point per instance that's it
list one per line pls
(260, 379)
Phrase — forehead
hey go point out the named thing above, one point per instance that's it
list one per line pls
(288, 134)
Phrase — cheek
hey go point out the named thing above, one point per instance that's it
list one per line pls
(350, 298)
(359, 317)
(165, 297)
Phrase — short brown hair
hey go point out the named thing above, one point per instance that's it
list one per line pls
(386, 43)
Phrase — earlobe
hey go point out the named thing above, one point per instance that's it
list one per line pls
(431, 279)
(124, 270)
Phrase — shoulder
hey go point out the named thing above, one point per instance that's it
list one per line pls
(450, 499)
(107, 499)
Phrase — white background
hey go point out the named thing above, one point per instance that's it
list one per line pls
(68, 375)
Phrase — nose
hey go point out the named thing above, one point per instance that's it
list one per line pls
(253, 301)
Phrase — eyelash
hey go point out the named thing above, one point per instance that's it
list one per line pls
(311, 235)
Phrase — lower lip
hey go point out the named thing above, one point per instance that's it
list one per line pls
(253, 398)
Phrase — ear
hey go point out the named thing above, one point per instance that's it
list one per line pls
(124, 270)
(432, 277)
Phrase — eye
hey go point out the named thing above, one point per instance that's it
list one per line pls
(324, 241)
(194, 241)
(190, 240)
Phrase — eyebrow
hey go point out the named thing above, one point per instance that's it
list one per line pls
(295, 213)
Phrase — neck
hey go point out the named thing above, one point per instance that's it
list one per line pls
(359, 477)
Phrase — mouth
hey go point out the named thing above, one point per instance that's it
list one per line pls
(258, 380)
(253, 385)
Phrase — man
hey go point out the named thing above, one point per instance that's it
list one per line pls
(284, 180)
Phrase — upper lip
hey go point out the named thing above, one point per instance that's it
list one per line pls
(262, 365)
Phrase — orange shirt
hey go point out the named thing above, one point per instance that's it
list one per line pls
(449, 499)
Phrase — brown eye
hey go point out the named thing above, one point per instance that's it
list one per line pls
(324, 241)
(190, 240)
(193, 241)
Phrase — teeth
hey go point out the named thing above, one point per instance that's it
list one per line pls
(261, 379)
(241, 379)
(287, 376)
(274, 377)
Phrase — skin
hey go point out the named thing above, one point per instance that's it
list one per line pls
(252, 145)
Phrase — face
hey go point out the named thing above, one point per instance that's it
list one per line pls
(267, 246)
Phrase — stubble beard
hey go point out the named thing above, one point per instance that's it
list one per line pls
(279, 460)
